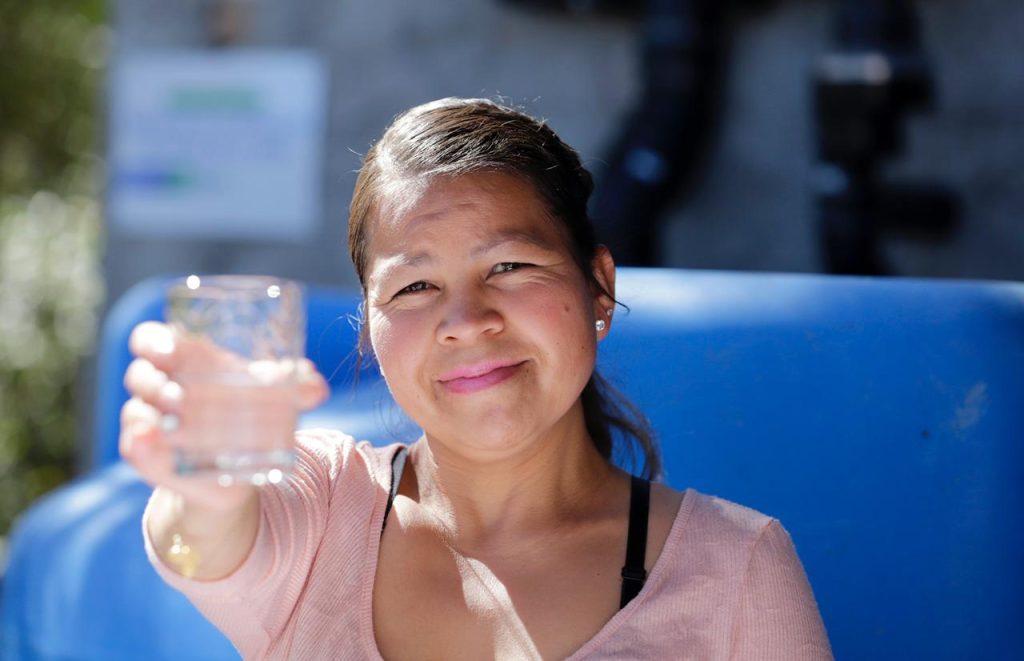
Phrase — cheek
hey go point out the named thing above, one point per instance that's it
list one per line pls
(564, 322)
(390, 346)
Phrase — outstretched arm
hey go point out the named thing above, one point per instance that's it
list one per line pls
(200, 529)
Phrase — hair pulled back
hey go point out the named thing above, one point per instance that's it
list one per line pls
(453, 137)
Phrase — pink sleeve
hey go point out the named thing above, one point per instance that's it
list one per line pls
(252, 604)
(778, 617)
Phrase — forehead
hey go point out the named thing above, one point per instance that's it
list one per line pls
(460, 212)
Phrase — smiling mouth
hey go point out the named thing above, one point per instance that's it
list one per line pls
(474, 380)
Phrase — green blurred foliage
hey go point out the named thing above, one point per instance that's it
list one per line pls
(52, 54)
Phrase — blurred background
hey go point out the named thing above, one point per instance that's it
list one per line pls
(137, 138)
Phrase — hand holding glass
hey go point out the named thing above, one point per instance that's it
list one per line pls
(246, 339)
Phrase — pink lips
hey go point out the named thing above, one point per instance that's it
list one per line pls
(473, 378)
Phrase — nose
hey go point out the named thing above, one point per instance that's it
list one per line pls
(468, 315)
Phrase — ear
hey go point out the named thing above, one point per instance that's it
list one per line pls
(603, 268)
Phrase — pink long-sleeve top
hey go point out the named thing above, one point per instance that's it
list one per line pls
(727, 585)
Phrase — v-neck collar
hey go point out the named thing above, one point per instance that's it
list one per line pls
(623, 615)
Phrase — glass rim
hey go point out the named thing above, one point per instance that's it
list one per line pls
(255, 287)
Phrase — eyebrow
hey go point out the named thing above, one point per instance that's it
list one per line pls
(412, 260)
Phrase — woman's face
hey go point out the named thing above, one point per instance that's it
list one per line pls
(482, 323)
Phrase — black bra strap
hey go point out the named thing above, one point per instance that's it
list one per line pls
(397, 466)
(633, 573)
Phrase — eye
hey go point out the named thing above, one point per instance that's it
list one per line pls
(413, 288)
(507, 267)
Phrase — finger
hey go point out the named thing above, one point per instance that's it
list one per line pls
(154, 341)
(143, 380)
(151, 453)
(141, 436)
(153, 461)
(313, 388)
(142, 419)
(136, 413)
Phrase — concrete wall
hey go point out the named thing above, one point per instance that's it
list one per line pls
(754, 208)
(384, 57)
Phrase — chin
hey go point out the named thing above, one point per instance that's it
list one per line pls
(488, 433)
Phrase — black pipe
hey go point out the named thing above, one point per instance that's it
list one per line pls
(660, 144)
(864, 90)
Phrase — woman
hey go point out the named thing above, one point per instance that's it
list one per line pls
(509, 533)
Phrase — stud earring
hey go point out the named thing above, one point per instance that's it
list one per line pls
(600, 325)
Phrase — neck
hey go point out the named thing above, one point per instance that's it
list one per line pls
(540, 486)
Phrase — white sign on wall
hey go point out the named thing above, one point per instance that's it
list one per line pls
(217, 144)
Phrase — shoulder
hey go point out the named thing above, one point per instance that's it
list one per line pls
(712, 536)
(719, 519)
(727, 580)
(718, 545)
(774, 612)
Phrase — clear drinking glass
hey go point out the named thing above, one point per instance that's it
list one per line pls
(245, 336)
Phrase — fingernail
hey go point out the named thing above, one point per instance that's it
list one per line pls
(163, 343)
(171, 394)
(169, 423)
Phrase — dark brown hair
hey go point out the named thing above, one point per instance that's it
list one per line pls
(453, 137)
